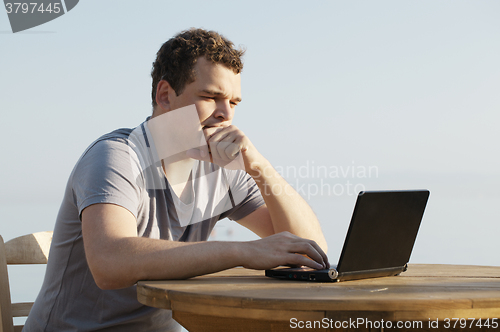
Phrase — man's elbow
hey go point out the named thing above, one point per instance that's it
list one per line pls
(105, 284)
(112, 285)
(109, 274)
(109, 281)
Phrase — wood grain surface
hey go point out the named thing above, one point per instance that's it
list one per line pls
(423, 293)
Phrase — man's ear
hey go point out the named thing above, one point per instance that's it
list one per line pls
(163, 93)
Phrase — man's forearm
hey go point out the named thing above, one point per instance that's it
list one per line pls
(121, 262)
(288, 210)
(124, 261)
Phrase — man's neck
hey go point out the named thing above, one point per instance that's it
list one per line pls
(178, 175)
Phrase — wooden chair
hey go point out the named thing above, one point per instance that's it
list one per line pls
(27, 249)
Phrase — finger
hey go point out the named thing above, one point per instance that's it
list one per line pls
(316, 247)
(219, 144)
(321, 252)
(216, 158)
(230, 134)
(221, 150)
(232, 150)
(312, 247)
(228, 150)
(200, 153)
(221, 133)
(308, 249)
(235, 145)
(210, 131)
(299, 260)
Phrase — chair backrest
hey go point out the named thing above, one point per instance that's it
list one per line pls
(27, 249)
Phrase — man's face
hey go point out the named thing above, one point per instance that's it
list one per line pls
(215, 92)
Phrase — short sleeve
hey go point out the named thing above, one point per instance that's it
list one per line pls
(245, 194)
(105, 174)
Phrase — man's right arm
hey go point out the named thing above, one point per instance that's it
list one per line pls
(118, 258)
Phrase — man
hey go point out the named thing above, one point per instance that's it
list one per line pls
(133, 213)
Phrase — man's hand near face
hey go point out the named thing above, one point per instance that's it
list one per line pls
(228, 147)
(285, 210)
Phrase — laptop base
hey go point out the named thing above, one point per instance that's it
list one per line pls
(331, 275)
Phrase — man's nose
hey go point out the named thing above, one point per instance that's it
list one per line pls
(224, 111)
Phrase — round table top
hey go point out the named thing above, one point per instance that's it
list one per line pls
(423, 289)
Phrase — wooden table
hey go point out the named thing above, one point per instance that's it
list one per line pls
(246, 300)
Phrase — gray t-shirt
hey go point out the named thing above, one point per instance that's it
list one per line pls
(118, 168)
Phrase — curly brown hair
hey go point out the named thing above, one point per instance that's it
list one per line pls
(176, 58)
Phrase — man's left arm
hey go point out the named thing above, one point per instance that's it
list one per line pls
(285, 209)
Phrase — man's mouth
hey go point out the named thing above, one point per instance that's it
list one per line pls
(212, 126)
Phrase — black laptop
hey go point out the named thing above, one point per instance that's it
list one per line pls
(379, 241)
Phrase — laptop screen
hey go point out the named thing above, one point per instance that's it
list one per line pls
(383, 229)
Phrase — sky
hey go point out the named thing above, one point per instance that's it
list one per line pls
(407, 88)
